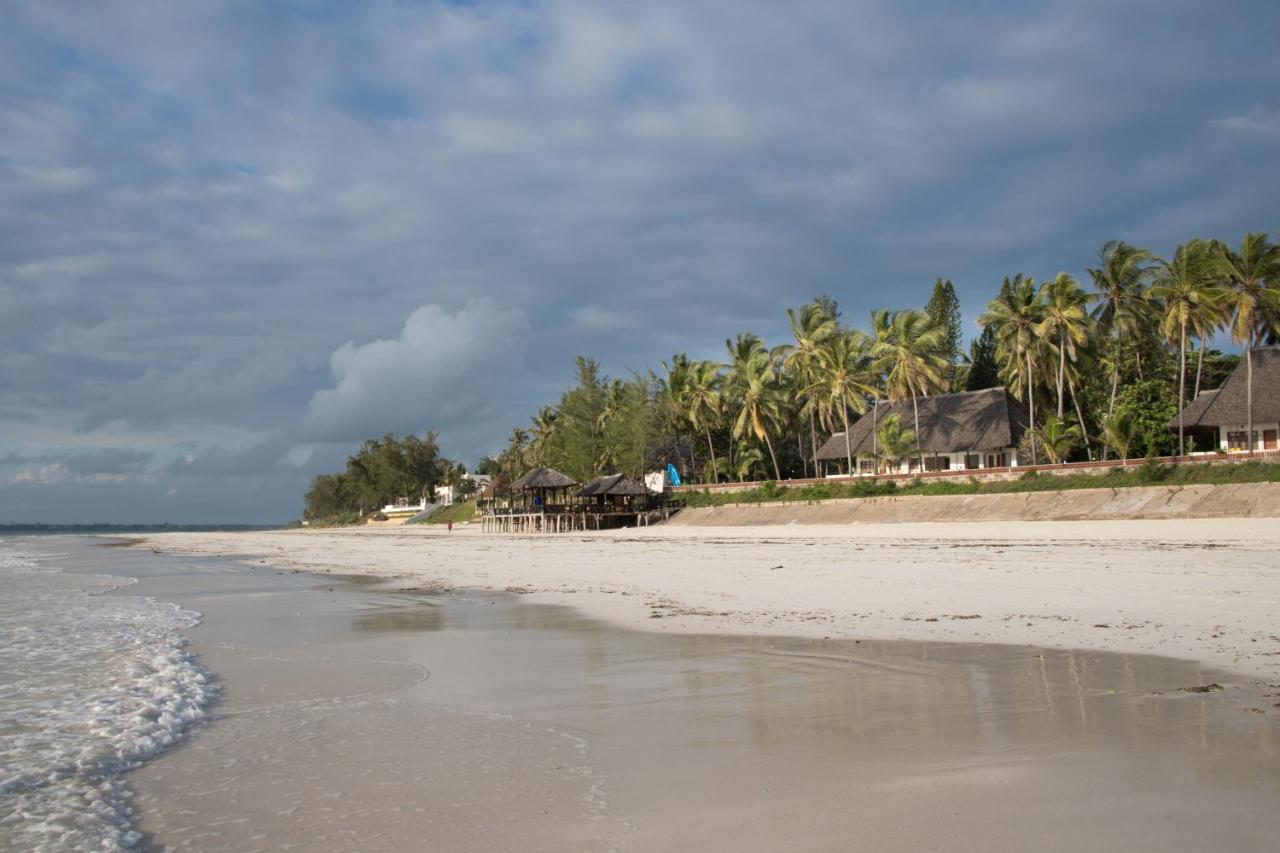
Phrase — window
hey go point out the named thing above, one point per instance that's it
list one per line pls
(1236, 440)
(937, 463)
(972, 460)
(1269, 439)
(866, 466)
(997, 460)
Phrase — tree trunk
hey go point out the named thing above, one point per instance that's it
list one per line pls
(848, 447)
(1031, 407)
(875, 429)
(711, 448)
(1199, 366)
(804, 463)
(777, 475)
(1182, 387)
(916, 411)
(1115, 385)
(1062, 368)
(813, 440)
(1084, 430)
(1248, 393)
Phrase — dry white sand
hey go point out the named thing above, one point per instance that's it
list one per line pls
(1201, 589)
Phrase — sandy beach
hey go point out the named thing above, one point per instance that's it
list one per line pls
(1203, 590)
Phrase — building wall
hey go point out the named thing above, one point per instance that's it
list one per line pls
(1006, 458)
(1266, 436)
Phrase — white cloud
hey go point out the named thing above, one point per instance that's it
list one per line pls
(1257, 120)
(445, 371)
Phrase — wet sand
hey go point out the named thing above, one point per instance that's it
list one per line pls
(358, 718)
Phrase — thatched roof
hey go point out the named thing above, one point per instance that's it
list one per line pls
(949, 423)
(1226, 406)
(498, 486)
(543, 478)
(613, 484)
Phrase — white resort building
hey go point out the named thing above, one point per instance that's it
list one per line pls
(971, 430)
(1217, 420)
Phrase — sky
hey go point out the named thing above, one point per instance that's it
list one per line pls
(238, 238)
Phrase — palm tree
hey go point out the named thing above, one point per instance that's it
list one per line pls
(1183, 289)
(703, 403)
(810, 326)
(1120, 311)
(911, 359)
(1058, 438)
(757, 398)
(894, 443)
(741, 350)
(674, 400)
(1015, 315)
(841, 379)
(1065, 322)
(1253, 300)
(1121, 431)
(544, 426)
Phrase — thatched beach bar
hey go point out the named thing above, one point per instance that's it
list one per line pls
(547, 501)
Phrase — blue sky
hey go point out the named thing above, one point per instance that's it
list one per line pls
(238, 238)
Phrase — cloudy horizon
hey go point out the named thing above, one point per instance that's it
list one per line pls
(240, 238)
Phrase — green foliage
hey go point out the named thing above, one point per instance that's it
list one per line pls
(381, 471)
(1149, 473)
(944, 313)
(1151, 404)
(983, 369)
(456, 513)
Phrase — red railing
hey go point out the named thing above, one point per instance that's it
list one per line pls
(965, 473)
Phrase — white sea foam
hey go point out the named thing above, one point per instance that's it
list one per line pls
(91, 685)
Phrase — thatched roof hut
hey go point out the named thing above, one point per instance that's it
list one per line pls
(613, 485)
(1226, 406)
(543, 478)
(969, 422)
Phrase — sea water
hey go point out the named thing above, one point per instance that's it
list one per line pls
(91, 685)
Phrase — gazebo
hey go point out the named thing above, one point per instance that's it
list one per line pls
(542, 485)
(614, 490)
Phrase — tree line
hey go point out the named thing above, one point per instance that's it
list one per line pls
(381, 472)
(1102, 371)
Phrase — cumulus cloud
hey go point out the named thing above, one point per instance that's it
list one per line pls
(445, 371)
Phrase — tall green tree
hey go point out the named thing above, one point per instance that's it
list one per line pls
(1253, 300)
(944, 311)
(704, 404)
(758, 402)
(811, 326)
(1183, 290)
(1015, 316)
(984, 369)
(1120, 307)
(912, 362)
(842, 380)
(1066, 323)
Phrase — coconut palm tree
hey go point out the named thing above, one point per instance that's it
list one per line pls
(894, 443)
(1066, 323)
(544, 427)
(703, 403)
(1183, 288)
(1253, 281)
(1058, 438)
(744, 348)
(911, 358)
(1121, 431)
(1015, 316)
(758, 401)
(673, 401)
(1120, 310)
(810, 326)
(842, 379)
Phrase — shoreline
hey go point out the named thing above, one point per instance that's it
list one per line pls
(1199, 590)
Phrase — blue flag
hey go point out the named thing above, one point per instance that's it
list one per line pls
(673, 475)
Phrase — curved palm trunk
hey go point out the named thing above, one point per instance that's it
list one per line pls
(1182, 388)
(1199, 367)
(1115, 385)
(711, 448)
(875, 438)
(1084, 430)
(777, 475)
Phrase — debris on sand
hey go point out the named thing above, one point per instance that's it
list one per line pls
(1203, 688)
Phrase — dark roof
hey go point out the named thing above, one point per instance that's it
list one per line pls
(1226, 406)
(543, 478)
(613, 484)
(949, 423)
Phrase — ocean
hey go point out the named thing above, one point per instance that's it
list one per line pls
(93, 682)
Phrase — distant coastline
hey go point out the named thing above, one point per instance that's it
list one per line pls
(23, 529)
